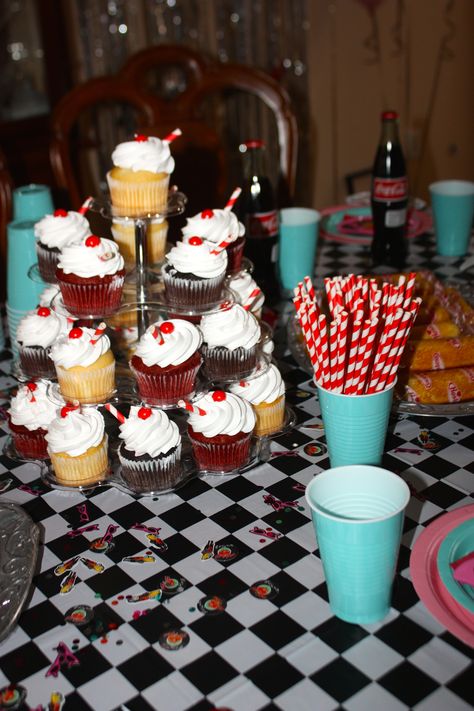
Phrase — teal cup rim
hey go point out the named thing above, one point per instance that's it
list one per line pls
(347, 395)
(306, 216)
(337, 471)
(452, 188)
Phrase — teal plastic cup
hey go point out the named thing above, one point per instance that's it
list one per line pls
(358, 515)
(14, 317)
(22, 292)
(452, 202)
(355, 425)
(32, 202)
(298, 237)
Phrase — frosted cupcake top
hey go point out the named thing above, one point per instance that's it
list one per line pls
(74, 431)
(232, 328)
(214, 226)
(41, 327)
(267, 387)
(196, 257)
(32, 408)
(168, 343)
(48, 294)
(61, 228)
(78, 348)
(149, 431)
(144, 153)
(91, 257)
(243, 285)
(225, 414)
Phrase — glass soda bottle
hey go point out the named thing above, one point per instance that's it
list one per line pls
(257, 210)
(389, 197)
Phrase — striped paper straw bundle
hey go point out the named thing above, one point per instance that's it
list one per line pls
(358, 348)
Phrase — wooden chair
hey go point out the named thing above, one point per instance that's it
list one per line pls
(6, 189)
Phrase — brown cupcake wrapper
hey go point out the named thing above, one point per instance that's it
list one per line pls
(154, 474)
(47, 263)
(221, 362)
(36, 363)
(191, 294)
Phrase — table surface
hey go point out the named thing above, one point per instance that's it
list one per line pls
(288, 652)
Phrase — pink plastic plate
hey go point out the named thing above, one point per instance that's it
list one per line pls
(352, 224)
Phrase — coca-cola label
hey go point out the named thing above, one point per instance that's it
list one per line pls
(261, 225)
(390, 189)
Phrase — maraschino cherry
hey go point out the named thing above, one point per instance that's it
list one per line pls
(43, 311)
(67, 409)
(141, 138)
(92, 241)
(144, 413)
(31, 387)
(218, 395)
(195, 241)
(207, 214)
(60, 213)
(76, 332)
(166, 327)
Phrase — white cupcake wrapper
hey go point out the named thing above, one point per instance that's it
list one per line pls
(81, 470)
(131, 198)
(89, 387)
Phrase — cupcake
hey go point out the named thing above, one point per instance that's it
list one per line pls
(231, 343)
(139, 180)
(85, 366)
(91, 275)
(36, 333)
(77, 445)
(123, 232)
(266, 394)
(220, 429)
(53, 233)
(243, 287)
(150, 454)
(167, 361)
(30, 414)
(194, 274)
(217, 226)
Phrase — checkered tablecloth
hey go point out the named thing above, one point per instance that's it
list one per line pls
(286, 652)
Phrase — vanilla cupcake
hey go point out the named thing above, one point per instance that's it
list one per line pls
(243, 286)
(77, 445)
(85, 366)
(266, 394)
(123, 232)
(31, 411)
(231, 343)
(150, 454)
(91, 276)
(53, 233)
(139, 180)
(217, 226)
(36, 333)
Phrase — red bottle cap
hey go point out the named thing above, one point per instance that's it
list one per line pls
(389, 115)
(254, 143)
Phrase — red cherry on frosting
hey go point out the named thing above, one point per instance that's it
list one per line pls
(195, 241)
(144, 413)
(60, 213)
(140, 138)
(67, 409)
(207, 214)
(43, 311)
(92, 241)
(75, 332)
(31, 387)
(218, 396)
(167, 327)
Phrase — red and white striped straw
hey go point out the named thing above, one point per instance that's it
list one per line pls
(189, 407)
(116, 413)
(353, 353)
(353, 380)
(368, 355)
(324, 347)
(332, 365)
(308, 336)
(85, 205)
(221, 246)
(156, 333)
(252, 298)
(315, 355)
(172, 136)
(309, 288)
(389, 332)
(233, 199)
(342, 332)
(414, 306)
(99, 331)
(409, 288)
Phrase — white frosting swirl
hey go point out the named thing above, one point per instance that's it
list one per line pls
(68, 352)
(91, 261)
(176, 348)
(33, 414)
(197, 259)
(35, 330)
(153, 436)
(243, 285)
(57, 231)
(76, 433)
(267, 387)
(228, 417)
(48, 294)
(153, 155)
(214, 226)
(232, 328)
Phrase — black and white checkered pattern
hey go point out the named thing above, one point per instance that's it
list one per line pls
(288, 652)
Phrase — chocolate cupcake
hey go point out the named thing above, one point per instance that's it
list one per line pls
(36, 333)
(53, 233)
(216, 226)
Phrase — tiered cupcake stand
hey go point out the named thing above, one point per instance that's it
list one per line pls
(144, 301)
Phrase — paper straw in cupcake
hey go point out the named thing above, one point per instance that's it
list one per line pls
(252, 298)
(189, 407)
(173, 136)
(233, 199)
(86, 205)
(115, 412)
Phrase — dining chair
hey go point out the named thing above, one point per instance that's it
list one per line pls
(6, 190)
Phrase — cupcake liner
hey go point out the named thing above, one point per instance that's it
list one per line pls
(47, 263)
(191, 293)
(124, 236)
(235, 253)
(270, 416)
(220, 362)
(31, 445)
(167, 387)
(101, 299)
(36, 363)
(225, 456)
(87, 468)
(153, 474)
(134, 198)
(87, 385)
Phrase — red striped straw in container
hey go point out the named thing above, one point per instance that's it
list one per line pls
(358, 350)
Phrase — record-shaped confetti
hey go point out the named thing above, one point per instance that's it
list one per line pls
(173, 640)
(264, 590)
(172, 586)
(212, 605)
(225, 552)
(79, 615)
(99, 545)
(315, 449)
(12, 697)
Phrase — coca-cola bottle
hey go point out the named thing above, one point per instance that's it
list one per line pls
(257, 210)
(389, 197)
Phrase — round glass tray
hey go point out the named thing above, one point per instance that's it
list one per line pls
(57, 304)
(34, 275)
(175, 206)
